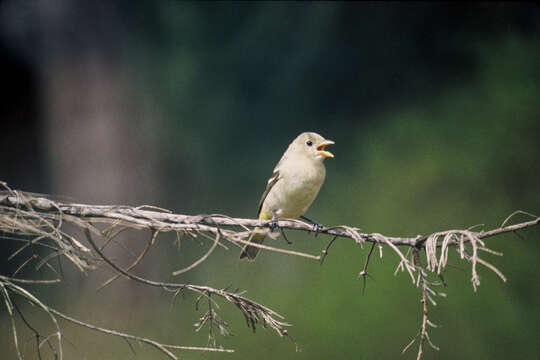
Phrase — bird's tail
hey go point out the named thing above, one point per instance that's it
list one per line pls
(250, 252)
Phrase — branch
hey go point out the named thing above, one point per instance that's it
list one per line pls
(139, 217)
(23, 220)
(37, 221)
(41, 217)
(165, 348)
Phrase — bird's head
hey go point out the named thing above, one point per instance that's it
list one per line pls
(312, 145)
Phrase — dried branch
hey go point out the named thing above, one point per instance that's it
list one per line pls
(427, 294)
(165, 348)
(37, 221)
(138, 217)
(252, 311)
(44, 228)
(423, 284)
(364, 274)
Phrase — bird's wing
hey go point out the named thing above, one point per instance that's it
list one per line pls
(271, 182)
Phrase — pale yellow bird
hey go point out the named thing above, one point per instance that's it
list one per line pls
(295, 183)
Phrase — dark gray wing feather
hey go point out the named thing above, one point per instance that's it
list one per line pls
(271, 182)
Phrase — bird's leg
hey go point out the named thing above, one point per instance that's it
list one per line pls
(274, 224)
(316, 226)
(285, 237)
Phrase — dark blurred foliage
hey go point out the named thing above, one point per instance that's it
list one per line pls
(188, 105)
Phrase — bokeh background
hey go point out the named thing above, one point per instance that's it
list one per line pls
(434, 109)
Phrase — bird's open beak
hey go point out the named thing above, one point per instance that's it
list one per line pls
(322, 152)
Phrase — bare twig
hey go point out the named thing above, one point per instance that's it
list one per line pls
(137, 260)
(325, 251)
(364, 274)
(427, 294)
(423, 329)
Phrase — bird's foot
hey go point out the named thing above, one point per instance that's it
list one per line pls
(274, 222)
(274, 225)
(317, 227)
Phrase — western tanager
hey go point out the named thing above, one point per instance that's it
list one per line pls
(295, 183)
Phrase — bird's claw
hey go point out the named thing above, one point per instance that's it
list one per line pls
(317, 228)
(273, 224)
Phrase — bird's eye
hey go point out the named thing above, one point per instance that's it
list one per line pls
(309, 143)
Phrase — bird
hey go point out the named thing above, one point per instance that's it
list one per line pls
(294, 184)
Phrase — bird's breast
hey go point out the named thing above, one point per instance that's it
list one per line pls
(295, 192)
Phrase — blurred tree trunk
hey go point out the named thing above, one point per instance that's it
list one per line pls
(97, 125)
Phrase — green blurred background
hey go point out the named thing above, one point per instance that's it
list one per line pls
(434, 109)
